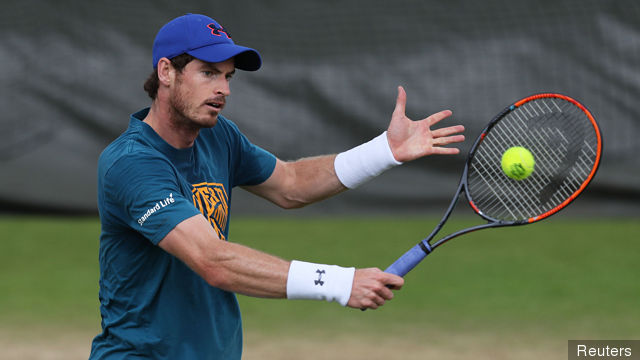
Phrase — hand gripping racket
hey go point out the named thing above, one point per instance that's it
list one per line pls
(566, 145)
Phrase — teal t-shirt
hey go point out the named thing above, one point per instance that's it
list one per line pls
(152, 305)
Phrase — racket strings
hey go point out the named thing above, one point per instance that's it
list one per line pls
(564, 144)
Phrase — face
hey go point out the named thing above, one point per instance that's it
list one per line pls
(199, 92)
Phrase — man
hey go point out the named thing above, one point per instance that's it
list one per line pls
(167, 274)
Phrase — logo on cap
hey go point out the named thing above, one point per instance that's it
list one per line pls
(216, 30)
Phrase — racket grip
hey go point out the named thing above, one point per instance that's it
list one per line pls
(408, 261)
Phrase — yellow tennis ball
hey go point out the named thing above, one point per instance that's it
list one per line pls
(517, 163)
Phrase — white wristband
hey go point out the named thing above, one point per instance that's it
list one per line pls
(319, 282)
(362, 163)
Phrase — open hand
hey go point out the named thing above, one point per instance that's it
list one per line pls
(410, 140)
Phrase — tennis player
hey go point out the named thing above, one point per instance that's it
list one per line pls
(168, 275)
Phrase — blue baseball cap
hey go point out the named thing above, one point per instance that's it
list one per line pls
(203, 38)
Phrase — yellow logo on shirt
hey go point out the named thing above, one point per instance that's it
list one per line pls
(212, 201)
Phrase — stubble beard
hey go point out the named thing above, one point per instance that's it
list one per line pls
(183, 114)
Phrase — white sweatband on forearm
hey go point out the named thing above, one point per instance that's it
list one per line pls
(319, 282)
(364, 162)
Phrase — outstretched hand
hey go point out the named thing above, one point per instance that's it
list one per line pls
(410, 140)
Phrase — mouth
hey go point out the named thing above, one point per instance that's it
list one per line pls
(215, 105)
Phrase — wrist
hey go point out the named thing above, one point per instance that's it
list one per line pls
(364, 162)
(319, 282)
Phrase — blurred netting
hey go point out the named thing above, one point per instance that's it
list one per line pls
(73, 72)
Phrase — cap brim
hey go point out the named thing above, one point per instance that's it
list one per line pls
(245, 58)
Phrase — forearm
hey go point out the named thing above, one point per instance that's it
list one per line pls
(243, 270)
(314, 179)
(229, 266)
(295, 184)
(247, 271)
(250, 272)
(239, 269)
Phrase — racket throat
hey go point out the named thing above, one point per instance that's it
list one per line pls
(425, 247)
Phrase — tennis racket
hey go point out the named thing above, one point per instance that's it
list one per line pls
(566, 144)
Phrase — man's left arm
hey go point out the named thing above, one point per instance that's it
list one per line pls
(294, 184)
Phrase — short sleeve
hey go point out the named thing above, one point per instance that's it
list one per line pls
(147, 191)
(253, 164)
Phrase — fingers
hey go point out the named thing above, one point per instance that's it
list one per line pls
(437, 117)
(401, 102)
(410, 140)
(446, 136)
(445, 151)
(401, 105)
(438, 133)
(372, 288)
(442, 141)
(393, 282)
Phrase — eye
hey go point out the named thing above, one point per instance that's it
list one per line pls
(207, 73)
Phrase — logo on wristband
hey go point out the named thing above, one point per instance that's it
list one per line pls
(319, 281)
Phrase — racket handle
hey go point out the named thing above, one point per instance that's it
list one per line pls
(408, 261)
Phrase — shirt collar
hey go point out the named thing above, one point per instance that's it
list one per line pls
(136, 123)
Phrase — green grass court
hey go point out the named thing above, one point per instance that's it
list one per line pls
(531, 288)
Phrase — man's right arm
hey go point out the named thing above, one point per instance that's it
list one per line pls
(239, 269)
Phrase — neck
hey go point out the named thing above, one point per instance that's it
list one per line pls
(175, 131)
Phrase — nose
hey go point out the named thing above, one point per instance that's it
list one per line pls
(224, 88)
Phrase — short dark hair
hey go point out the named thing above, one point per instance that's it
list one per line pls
(152, 83)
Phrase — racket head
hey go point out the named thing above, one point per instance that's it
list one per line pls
(566, 144)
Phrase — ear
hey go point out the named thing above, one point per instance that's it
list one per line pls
(165, 71)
